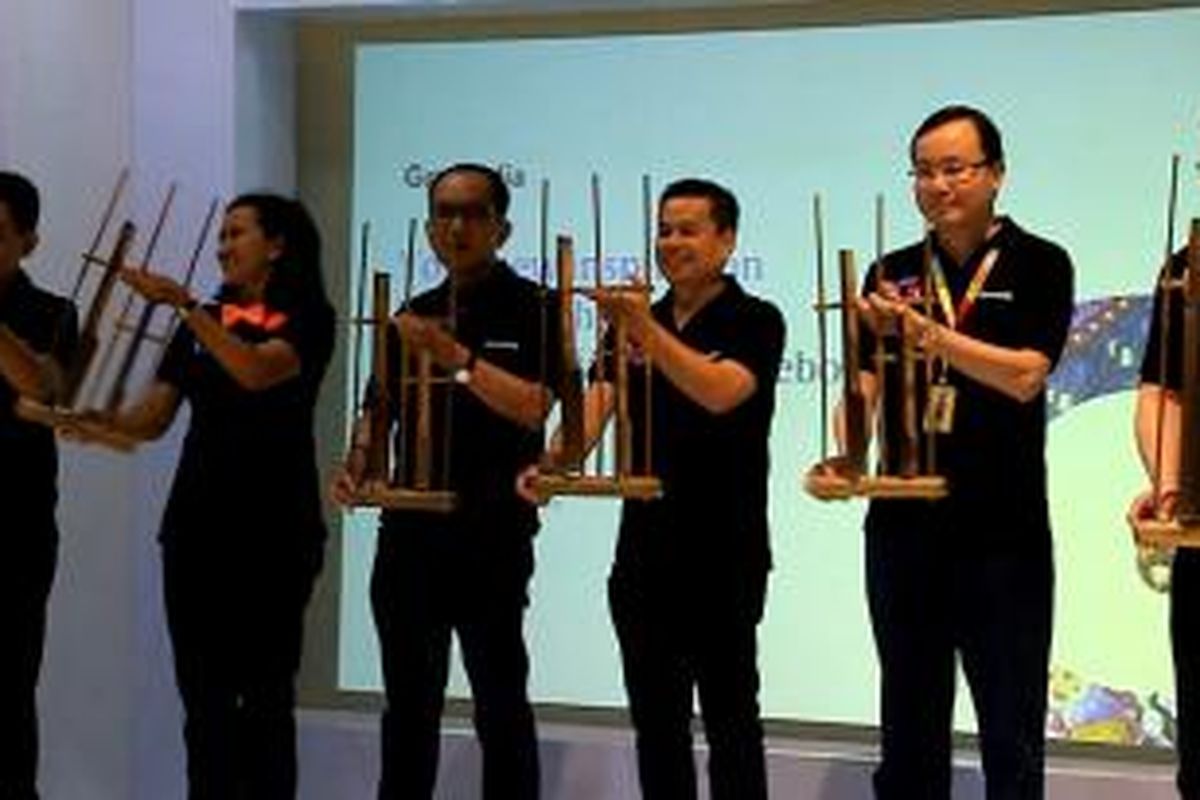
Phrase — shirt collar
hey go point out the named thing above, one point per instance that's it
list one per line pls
(730, 294)
(1005, 229)
(12, 296)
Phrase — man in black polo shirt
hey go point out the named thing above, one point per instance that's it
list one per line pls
(467, 571)
(689, 580)
(970, 575)
(37, 335)
(1163, 387)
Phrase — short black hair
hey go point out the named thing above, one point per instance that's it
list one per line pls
(722, 205)
(989, 134)
(21, 196)
(497, 188)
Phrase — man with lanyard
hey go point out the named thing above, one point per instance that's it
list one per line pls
(972, 574)
(689, 579)
(1160, 403)
(466, 571)
(37, 335)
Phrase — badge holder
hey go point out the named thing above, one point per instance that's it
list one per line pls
(569, 475)
(98, 372)
(411, 484)
(847, 475)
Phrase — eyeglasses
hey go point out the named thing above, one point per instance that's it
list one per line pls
(953, 172)
(469, 213)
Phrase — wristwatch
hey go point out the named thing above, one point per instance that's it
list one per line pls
(462, 375)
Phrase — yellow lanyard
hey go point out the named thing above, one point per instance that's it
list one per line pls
(954, 317)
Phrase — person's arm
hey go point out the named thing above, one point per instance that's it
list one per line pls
(29, 373)
(1019, 373)
(522, 401)
(717, 385)
(1146, 432)
(145, 419)
(254, 367)
(347, 477)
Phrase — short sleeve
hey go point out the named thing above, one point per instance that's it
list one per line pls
(1046, 302)
(758, 345)
(604, 363)
(173, 367)
(1152, 368)
(540, 356)
(310, 330)
(66, 336)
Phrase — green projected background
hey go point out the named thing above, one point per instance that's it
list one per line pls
(1091, 108)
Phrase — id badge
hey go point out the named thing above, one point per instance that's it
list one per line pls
(939, 408)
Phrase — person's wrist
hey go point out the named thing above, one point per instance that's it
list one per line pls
(466, 367)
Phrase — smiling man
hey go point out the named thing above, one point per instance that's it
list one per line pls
(689, 580)
(970, 576)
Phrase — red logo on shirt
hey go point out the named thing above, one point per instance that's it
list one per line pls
(256, 316)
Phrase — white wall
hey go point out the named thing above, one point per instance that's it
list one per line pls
(86, 88)
(65, 121)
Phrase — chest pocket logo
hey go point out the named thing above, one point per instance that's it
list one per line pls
(501, 344)
(1001, 295)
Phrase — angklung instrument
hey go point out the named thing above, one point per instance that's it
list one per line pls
(912, 473)
(402, 393)
(95, 382)
(570, 473)
(1159, 535)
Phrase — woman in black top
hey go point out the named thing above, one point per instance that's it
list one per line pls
(242, 536)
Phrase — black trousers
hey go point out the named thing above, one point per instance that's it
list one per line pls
(26, 574)
(674, 643)
(933, 596)
(235, 611)
(1185, 647)
(429, 579)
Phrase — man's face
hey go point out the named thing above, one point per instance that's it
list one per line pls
(690, 248)
(15, 244)
(463, 227)
(953, 183)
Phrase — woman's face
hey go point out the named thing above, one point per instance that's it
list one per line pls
(245, 251)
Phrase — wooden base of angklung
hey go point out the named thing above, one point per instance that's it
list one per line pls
(82, 427)
(1166, 533)
(395, 498)
(628, 487)
(843, 487)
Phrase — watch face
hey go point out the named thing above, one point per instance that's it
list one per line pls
(462, 375)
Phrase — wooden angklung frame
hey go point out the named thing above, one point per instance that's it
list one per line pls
(412, 482)
(569, 475)
(1158, 535)
(95, 380)
(849, 475)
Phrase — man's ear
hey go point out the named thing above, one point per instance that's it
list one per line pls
(30, 244)
(503, 232)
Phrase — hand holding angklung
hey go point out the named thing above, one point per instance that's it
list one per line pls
(155, 288)
(85, 426)
(632, 305)
(426, 334)
(525, 482)
(883, 313)
(1145, 507)
(878, 313)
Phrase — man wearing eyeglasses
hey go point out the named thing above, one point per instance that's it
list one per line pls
(467, 571)
(969, 577)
